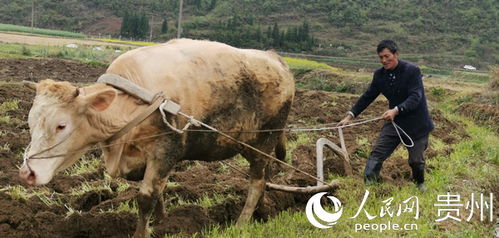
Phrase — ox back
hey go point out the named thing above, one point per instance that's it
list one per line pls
(233, 90)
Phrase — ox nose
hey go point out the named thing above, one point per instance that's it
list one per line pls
(27, 175)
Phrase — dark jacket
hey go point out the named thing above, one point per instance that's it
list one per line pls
(403, 87)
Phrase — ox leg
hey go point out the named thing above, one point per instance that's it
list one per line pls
(256, 187)
(159, 211)
(150, 198)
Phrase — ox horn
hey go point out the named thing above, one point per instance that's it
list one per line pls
(30, 84)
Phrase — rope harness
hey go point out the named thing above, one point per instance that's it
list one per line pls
(157, 101)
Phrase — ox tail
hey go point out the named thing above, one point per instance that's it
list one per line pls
(280, 148)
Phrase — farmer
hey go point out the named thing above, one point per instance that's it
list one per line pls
(401, 83)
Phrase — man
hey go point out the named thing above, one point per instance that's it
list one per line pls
(401, 83)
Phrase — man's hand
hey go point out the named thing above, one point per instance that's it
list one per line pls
(390, 114)
(345, 120)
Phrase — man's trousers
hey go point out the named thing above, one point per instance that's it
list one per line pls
(386, 143)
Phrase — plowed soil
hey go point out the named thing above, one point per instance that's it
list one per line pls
(61, 213)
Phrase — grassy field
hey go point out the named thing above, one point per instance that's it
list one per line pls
(25, 29)
(84, 53)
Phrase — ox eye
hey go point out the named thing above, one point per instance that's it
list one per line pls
(60, 128)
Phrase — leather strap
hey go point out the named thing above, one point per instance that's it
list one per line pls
(138, 119)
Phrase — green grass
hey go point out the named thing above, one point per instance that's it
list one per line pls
(83, 53)
(304, 64)
(346, 61)
(428, 70)
(471, 76)
(8, 106)
(87, 187)
(25, 29)
(16, 192)
(19, 192)
(126, 206)
(302, 139)
(205, 201)
(84, 165)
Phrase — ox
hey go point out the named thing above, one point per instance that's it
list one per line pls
(231, 89)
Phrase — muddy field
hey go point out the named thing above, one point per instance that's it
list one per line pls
(63, 213)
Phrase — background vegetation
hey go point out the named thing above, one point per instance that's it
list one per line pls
(444, 32)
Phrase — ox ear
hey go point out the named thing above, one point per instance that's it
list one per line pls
(29, 84)
(100, 101)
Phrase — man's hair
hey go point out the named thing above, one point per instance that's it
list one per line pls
(387, 44)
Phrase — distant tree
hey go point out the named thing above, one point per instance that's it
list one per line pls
(164, 26)
(197, 3)
(135, 25)
(125, 25)
(275, 35)
(143, 26)
(213, 4)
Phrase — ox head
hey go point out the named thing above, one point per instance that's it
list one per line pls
(60, 123)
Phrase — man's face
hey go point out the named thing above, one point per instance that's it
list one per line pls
(388, 59)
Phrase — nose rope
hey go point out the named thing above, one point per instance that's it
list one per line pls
(26, 158)
(25, 155)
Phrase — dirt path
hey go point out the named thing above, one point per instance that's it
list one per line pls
(48, 40)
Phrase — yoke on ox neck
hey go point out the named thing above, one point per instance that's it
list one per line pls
(127, 86)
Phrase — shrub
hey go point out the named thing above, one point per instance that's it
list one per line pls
(494, 78)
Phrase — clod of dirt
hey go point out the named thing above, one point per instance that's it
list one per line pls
(92, 198)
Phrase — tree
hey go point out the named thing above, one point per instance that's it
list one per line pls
(164, 26)
(135, 25)
(275, 35)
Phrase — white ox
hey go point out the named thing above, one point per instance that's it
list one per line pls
(231, 89)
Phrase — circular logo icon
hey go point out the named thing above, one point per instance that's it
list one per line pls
(315, 210)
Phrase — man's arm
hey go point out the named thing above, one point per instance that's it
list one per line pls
(415, 91)
(362, 103)
(366, 99)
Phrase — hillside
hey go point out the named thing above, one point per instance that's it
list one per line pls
(442, 33)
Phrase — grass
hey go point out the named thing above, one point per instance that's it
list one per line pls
(85, 165)
(70, 211)
(302, 139)
(25, 29)
(304, 64)
(19, 192)
(87, 187)
(83, 53)
(50, 201)
(206, 201)
(5, 147)
(471, 76)
(8, 106)
(16, 192)
(126, 206)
